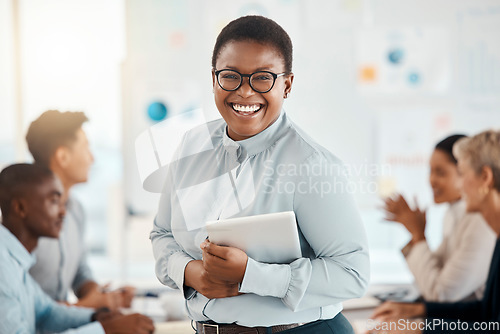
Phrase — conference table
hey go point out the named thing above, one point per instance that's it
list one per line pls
(174, 327)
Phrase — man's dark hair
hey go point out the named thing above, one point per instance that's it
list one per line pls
(52, 130)
(259, 29)
(19, 179)
(446, 146)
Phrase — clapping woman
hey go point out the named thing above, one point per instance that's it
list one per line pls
(479, 166)
(444, 274)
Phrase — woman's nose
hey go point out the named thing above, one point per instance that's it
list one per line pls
(245, 89)
(432, 180)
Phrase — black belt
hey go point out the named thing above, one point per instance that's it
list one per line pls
(214, 328)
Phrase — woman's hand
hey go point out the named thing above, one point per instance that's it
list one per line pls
(196, 277)
(387, 317)
(414, 220)
(393, 311)
(224, 263)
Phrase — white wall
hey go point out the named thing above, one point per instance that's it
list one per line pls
(70, 56)
(389, 125)
(112, 58)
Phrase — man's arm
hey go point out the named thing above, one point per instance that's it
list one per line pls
(59, 318)
(94, 296)
(86, 288)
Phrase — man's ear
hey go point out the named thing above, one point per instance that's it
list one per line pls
(61, 157)
(19, 207)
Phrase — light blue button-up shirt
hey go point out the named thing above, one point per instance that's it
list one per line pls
(24, 307)
(61, 264)
(279, 169)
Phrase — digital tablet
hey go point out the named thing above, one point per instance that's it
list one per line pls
(269, 238)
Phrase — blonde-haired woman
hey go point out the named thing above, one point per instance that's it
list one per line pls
(479, 165)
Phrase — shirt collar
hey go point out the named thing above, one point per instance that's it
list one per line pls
(16, 248)
(260, 142)
(459, 205)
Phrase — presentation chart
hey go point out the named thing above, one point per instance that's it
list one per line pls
(407, 60)
(479, 51)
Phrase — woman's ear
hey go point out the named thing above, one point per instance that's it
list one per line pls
(288, 85)
(487, 177)
(214, 80)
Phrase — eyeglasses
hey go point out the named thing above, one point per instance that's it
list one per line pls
(261, 82)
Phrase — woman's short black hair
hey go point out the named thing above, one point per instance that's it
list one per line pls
(446, 146)
(259, 29)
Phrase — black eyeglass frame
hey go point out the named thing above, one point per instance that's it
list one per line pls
(274, 75)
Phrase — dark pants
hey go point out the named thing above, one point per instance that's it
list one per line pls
(337, 325)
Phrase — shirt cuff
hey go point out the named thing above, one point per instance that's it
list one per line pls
(83, 314)
(177, 263)
(265, 279)
(188, 292)
(406, 249)
(415, 252)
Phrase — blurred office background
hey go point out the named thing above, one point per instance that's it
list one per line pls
(376, 82)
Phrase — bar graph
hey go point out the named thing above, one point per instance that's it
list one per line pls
(479, 52)
(482, 70)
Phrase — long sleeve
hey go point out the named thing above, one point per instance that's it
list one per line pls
(328, 218)
(484, 312)
(49, 315)
(460, 310)
(54, 317)
(83, 273)
(445, 313)
(449, 279)
(11, 314)
(171, 260)
(252, 177)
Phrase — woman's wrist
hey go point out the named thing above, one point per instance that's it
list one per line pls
(416, 238)
(190, 272)
(420, 310)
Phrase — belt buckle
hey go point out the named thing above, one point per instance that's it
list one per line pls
(211, 325)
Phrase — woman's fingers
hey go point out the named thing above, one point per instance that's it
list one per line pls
(384, 310)
(402, 204)
(224, 263)
(214, 249)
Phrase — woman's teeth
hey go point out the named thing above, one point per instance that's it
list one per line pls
(246, 109)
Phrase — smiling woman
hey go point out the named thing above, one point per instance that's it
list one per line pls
(250, 105)
(444, 274)
(479, 166)
(226, 290)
